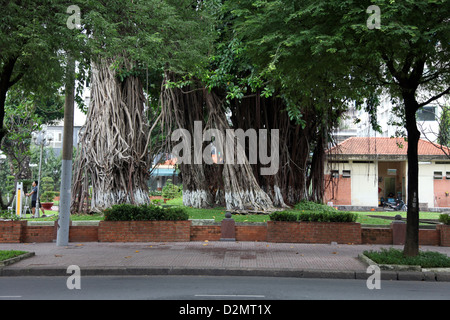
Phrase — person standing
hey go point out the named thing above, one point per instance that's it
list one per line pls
(33, 195)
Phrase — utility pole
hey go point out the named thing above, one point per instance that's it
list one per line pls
(62, 238)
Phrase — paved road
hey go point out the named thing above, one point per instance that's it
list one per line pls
(223, 288)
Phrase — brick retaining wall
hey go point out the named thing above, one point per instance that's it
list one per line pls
(314, 232)
(273, 231)
(444, 235)
(143, 231)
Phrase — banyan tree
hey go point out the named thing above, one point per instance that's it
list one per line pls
(112, 155)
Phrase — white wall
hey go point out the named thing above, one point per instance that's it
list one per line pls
(364, 184)
(364, 181)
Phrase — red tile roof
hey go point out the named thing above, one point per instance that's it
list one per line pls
(385, 146)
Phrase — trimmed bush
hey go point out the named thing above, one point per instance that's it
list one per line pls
(313, 206)
(444, 218)
(128, 212)
(283, 216)
(324, 216)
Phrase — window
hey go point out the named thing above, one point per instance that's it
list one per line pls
(345, 173)
(447, 175)
(392, 172)
(335, 173)
(437, 175)
(426, 114)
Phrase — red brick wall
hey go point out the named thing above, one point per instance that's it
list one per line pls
(83, 234)
(339, 191)
(251, 233)
(313, 232)
(205, 232)
(376, 235)
(275, 231)
(12, 231)
(40, 234)
(429, 237)
(143, 231)
(444, 233)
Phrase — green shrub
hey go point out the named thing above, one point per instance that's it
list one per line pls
(48, 196)
(4, 214)
(324, 216)
(47, 184)
(425, 259)
(313, 206)
(283, 216)
(444, 218)
(170, 191)
(128, 212)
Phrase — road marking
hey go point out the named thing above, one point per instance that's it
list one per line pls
(230, 295)
(10, 297)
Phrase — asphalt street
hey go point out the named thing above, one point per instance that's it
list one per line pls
(215, 288)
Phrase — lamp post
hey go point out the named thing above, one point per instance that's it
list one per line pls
(41, 139)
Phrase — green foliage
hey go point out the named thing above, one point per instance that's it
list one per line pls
(48, 196)
(8, 254)
(314, 215)
(313, 206)
(47, 184)
(171, 191)
(444, 218)
(283, 216)
(425, 259)
(128, 212)
(444, 127)
(327, 216)
(4, 214)
(155, 193)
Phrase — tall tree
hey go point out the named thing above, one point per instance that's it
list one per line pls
(32, 34)
(126, 40)
(370, 45)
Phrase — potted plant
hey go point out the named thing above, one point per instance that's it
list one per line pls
(47, 199)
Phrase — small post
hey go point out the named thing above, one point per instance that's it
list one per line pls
(398, 231)
(228, 232)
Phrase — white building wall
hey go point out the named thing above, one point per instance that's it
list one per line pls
(364, 184)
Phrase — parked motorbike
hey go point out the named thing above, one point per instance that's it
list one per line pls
(399, 205)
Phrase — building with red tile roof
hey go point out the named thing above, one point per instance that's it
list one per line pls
(365, 171)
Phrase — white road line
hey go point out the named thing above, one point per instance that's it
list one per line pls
(230, 295)
(10, 297)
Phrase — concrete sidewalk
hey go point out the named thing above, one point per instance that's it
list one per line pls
(208, 258)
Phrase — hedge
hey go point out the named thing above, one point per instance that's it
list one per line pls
(444, 218)
(320, 216)
(128, 212)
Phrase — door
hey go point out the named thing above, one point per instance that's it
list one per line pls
(389, 187)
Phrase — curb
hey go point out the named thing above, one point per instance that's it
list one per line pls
(7, 262)
(181, 271)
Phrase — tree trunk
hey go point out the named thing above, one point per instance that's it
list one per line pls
(242, 191)
(411, 247)
(179, 110)
(113, 156)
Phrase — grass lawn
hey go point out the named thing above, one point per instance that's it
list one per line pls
(8, 254)
(425, 259)
(218, 214)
